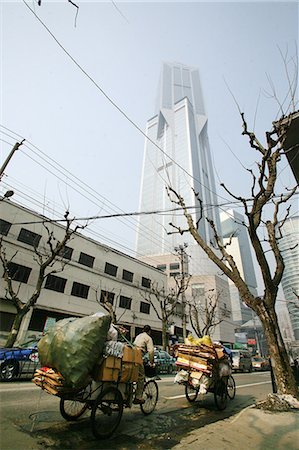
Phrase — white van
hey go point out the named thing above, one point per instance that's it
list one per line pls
(241, 360)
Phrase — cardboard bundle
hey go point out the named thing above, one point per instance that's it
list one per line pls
(194, 362)
(129, 372)
(220, 352)
(49, 380)
(198, 358)
(107, 370)
(132, 355)
(123, 369)
(202, 350)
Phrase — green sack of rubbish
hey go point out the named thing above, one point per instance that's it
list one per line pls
(73, 346)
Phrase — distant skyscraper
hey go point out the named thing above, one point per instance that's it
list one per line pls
(290, 281)
(179, 128)
(239, 248)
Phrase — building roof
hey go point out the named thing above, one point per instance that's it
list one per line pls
(290, 126)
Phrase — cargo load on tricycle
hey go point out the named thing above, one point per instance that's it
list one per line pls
(205, 367)
(87, 371)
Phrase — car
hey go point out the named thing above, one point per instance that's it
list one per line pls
(241, 360)
(164, 362)
(259, 363)
(20, 361)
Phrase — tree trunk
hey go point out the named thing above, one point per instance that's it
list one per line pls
(282, 370)
(11, 339)
(164, 335)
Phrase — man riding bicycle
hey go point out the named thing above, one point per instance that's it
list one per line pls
(145, 342)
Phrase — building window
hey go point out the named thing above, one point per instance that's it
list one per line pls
(18, 273)
(55, 283)
(107, 296)
(225, 311)
(198, 290)
(146, 282)
(125, 302)
(161, 267)
(66, 252)
(111, 269)
(6, 320)
(86, 260)
(174, 266)
(144, 308)
(174, 274)
(28, 237)
(4, 227)
(80, 290)
(39, 318)
(128, 276)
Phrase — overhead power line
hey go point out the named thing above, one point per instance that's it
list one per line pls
(110, 216)
(115, 104)
(84, 190)
(106, 216)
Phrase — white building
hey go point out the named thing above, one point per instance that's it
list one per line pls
(92, 271)
(199, 288)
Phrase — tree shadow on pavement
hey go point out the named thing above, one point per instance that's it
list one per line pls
(160, 430)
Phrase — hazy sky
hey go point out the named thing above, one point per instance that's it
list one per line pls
(46, 98)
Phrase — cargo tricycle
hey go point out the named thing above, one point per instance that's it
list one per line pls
(222, 388)
(106, 400)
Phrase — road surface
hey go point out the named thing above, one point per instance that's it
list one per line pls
(30, 418)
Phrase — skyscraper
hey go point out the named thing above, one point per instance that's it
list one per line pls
(288, 246)
(177, 153)
(234, 232)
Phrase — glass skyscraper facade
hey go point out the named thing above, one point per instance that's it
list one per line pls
(177, 153)
(288, 245)
(236, 234)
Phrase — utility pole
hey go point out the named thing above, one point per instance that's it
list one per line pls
(13, 150)
(180, 250)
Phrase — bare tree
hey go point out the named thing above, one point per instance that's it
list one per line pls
(107, 303)
(165, 303)
(258, 215)
(46, 258)
(206, 313)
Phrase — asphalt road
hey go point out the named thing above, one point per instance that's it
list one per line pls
(30, 418)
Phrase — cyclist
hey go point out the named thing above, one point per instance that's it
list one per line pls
(145, 342)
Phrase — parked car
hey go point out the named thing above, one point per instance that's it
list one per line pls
(241, 360)
(18, 361)
(165, 363)
(259, 363)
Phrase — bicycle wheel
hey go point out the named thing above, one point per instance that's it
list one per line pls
(220, 394)
(191, 393)
(150, 394)
(106, 412)
(231, 387)
(72, 409)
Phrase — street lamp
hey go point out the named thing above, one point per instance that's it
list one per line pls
(7, 195)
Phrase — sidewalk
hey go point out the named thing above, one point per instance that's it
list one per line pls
(252, 428)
